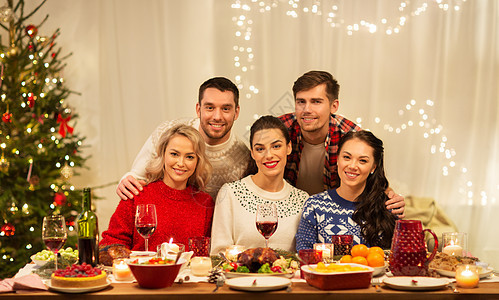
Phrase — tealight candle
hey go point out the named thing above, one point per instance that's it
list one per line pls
(232, 251)
(455, 250)
(121, 271)
(467, 276)
(200, 265)
(327, 250)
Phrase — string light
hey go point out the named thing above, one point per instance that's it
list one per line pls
(423, 113)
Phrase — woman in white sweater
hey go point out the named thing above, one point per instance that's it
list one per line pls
(235, 208)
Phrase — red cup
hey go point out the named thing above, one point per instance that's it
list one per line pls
(200, 245)
(309, 257)
(342, 244)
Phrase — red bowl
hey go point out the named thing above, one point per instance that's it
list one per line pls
(154, 276)
(338, 280)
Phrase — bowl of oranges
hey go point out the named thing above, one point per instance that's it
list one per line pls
(373, 257)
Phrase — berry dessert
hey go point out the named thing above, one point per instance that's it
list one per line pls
(78, 276)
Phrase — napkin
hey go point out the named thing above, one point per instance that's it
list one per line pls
(27, 282)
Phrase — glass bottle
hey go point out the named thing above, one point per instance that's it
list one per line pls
(88, 232)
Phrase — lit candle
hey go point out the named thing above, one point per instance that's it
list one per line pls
(326, 250)
(200, 265)
(467, 276)
(452, 249)
(121, 271)
(232, 251)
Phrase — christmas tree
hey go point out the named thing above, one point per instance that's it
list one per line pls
(39, 149)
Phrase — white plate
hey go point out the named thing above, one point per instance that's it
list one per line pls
(236, 274)
(263, 283)
(485, 273)
(142, 253)
(421, 284)
(77, 290)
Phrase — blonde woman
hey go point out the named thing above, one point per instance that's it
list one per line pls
(176, 179)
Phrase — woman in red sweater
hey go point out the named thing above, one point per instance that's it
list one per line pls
(176, 180)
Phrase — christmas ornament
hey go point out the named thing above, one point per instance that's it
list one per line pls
(67, 171)
(7, 230)
(7, 117)
(31, 101)
(13, 51)
(33, 182)
(60, 199)
(6, 14)
(4, 164)
(31, 30)
(64, 125)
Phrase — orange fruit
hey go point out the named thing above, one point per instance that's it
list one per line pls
(359, 260)
(377, 250)
(375, 260)
(360, 250)
(345, 259)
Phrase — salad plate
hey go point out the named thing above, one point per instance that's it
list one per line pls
(408, 283)
(239, 274)
(258, 284)
(77, 290)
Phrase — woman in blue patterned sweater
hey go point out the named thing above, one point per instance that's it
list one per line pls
(357, 206)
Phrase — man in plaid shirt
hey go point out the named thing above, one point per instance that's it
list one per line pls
(315, 132)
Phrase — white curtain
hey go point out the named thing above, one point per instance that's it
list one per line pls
(422, 75)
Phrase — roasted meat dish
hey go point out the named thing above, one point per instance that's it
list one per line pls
(256, 257)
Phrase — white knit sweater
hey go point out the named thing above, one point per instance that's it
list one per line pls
(235, 216)
(229, 159)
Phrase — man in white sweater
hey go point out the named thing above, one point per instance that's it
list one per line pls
(217, 109)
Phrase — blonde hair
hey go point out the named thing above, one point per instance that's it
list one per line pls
(155, 168)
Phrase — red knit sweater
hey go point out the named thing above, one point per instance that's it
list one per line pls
(181, 214)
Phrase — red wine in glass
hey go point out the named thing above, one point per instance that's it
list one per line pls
(54, 243)
(54, 233)
(146, 230)
(146, 221)
(266, 229)
(266, 220)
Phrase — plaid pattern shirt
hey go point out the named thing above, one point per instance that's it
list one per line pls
(338, 126)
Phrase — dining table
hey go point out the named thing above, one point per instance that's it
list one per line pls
(298, 291)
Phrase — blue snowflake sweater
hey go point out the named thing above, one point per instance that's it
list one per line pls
(326, 214)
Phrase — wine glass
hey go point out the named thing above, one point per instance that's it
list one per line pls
(266, 220)
(146, 221)
(54, 233)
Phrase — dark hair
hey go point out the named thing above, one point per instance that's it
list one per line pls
(376, 222)
(312, 79)
(222, 84)
(268, 122)
(264, 122)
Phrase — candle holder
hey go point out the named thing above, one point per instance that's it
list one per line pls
(454, 243)
(467, 276)
(342, 244)
(200, 265)
(327, 251)
(121, 271)
(232, 251)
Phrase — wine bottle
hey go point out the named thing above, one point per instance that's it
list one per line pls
(88, 232)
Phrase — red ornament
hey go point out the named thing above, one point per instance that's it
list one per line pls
(53, 54)
(7, 117)
(60, 199)
(7, 230)
(31, 101)
(31, 47)
(31, 30)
